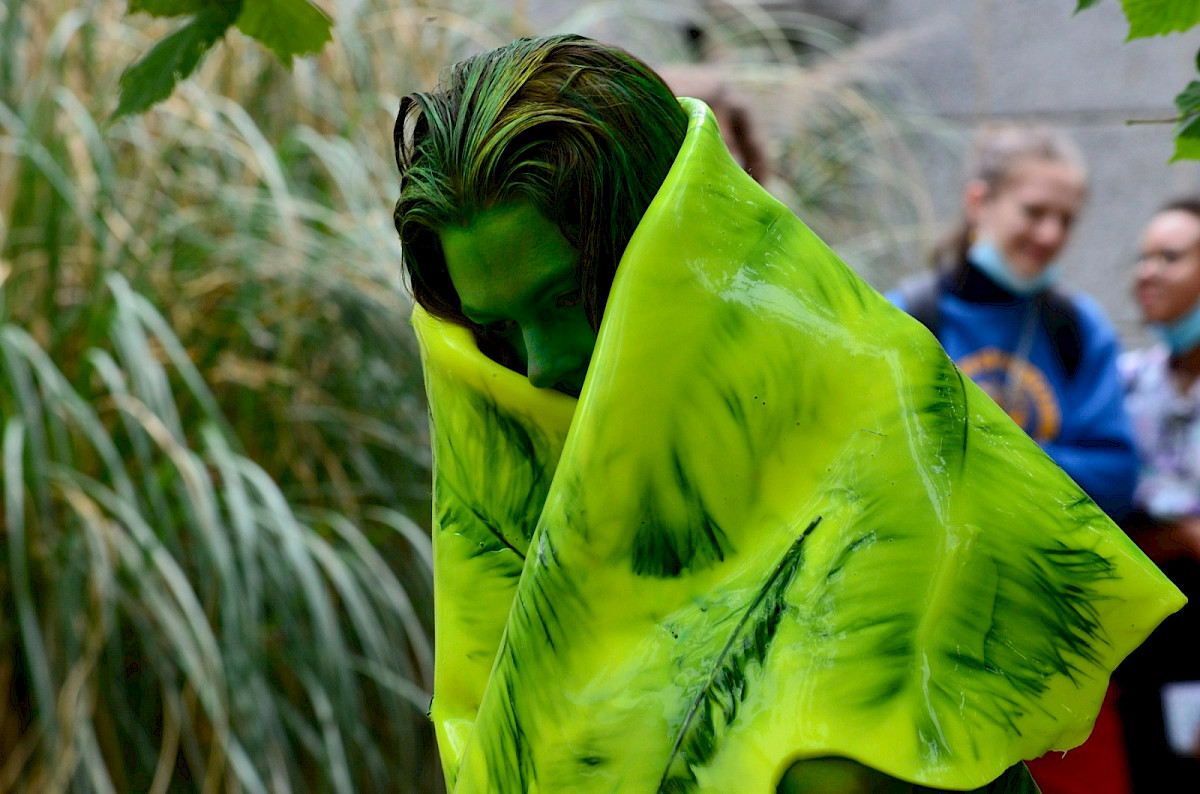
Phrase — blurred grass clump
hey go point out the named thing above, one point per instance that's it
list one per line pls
(215, 468)
(172, 624)
(214, 441)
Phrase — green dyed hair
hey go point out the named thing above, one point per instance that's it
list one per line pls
(584, 131)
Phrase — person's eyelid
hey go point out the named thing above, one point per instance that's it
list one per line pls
(1167, 256)
(567, 298)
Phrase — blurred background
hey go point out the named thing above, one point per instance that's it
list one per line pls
(215, 466)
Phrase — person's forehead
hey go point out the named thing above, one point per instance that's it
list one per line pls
(505, 256)
(1174, 225)
(1031, 174)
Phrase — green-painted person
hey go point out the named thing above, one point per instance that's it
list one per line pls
(710, 514)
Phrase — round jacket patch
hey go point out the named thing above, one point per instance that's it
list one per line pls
(1019, 387)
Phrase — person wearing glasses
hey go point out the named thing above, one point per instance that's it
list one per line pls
(1160, 683)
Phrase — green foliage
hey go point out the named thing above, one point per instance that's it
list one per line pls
(153, 77)
(1158, 18)
(286, 27)
(1188, 101)
(1154, 17)
(171, 8)
(1187, 139)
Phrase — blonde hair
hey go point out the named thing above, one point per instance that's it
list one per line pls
(998, 148)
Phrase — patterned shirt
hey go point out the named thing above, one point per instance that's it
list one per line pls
(1166, 429)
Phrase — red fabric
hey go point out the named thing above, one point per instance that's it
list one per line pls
(1098, 766)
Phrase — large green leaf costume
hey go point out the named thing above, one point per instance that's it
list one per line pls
(778, 523)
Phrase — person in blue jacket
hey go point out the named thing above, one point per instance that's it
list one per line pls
(1048, 358)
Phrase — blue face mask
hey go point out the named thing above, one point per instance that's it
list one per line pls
(987, 257)
(1183, 334)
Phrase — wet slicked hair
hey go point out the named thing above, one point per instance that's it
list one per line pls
(583, 131)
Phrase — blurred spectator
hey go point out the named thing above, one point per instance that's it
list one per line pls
(1049, 358)
(1160, 682)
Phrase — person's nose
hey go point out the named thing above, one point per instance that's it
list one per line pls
(1147, 267)
(547, 360)
(1052, 232)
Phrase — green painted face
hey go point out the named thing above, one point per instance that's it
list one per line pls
(516, 273)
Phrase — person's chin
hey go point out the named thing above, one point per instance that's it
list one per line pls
(1149, 314)
(1030, 268)
(1154, 317)
(1029, 261)
(1150, 307)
